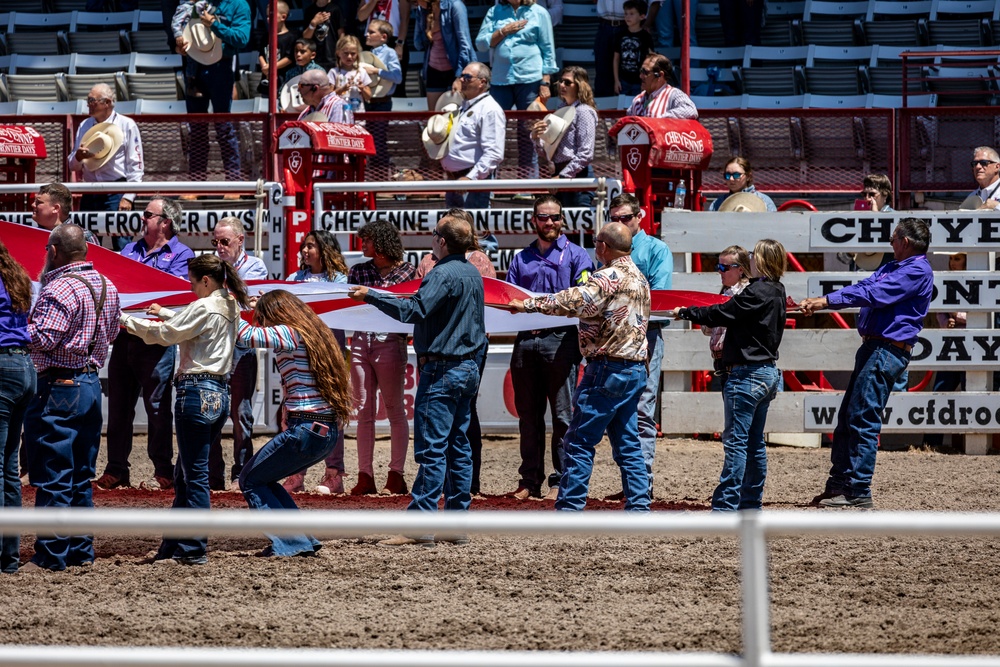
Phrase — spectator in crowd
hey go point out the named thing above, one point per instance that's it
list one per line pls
(325, 24)
(554, 8)
(484, 265)
(320, 97)
(739, 178)
(228, 241)
(474, 148)
(569, 144)
(286, 49)
(655, 262)
(666, 23)
(518, 35)
(611, 15)
(52, 206)
(447, 314)
(442, 33)
(894, 302)
(755, 321)
(136, 367)
(378, 361)
(205, 331)
(658, 98)
(734, 270)
(74, 320)
(613, 307)
(321, 261)
(877, 190)
(741, 21)
(544, 363)
(379, 32)
(317, 397)
(945, 379)
(395, 12)
(305, 60)
(349, 80)
(108, 148)
(632, 47)
(16, 391)
(211, 44)
(986, 171)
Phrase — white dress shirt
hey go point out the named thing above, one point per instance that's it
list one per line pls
(477, 138)
(127, 163)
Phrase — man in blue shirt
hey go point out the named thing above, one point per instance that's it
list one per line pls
(136, 367)
(449, 334)
(654, 260)
(544, 364)
(894, 302)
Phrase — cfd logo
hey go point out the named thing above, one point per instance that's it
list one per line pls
(295, 162)
(633, 158)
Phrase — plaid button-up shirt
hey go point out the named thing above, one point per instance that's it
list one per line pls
(368, 275)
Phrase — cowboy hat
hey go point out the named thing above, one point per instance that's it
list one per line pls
(290, 98)
(437, 135)
(743, 202)
(379, 86)
(316, 117)
(868, 261)
(971, 203)
(558, 122)
(450, 97)
(203, 44)
(103, 141)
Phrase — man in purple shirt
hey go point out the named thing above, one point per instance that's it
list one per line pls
(544, 364)
(136, 367)
(894, 302)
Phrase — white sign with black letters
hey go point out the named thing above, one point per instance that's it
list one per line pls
(955, 290)
(914, 411)
(950, 231)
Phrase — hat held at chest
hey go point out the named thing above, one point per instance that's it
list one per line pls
(103, 141)
(437, 134)
(203, 44)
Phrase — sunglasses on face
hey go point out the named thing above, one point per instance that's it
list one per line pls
(733, 175)
(646, 72)
(567, 82)
(982, 163)
(94, 100)
(468, 77)
(146, 215)
(722, 268)
(622, 218)
(545, 217)
(225, 243)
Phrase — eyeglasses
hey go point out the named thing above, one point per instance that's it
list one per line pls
(982, 163)
(600, 241)
(622, 218)
(436, 233)
(311, 87)
(225, 243)
(870, 193)
(146, 215)
(95, 100)
(545, 217)
(468, 77)
(567, 82)
(722, 268)
(733, 175)
(646, 72)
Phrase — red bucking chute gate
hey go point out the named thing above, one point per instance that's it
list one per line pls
(20, 149)
(657, 154)
(313, 152)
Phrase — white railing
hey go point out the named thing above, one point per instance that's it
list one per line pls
(753, 529)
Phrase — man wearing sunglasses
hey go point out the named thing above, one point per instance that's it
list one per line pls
(320, 96)
(658, 98)
(544, 363)
(135, 367)
(654, 260)
(986, 171)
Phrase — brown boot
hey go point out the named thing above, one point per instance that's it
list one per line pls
(395, 485)
(365, 485)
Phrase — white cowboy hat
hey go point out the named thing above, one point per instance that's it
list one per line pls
(103, 140)
(971, 203)
(203, 44)
(437, 135)
(450, 97)
(290, 98)
(743, 202)
(316, 117)
(379, 86)
(559, 121)
(868, 261)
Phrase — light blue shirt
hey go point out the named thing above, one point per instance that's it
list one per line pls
(524, 56)
(477, 138)
(654, 260)
(393, 71)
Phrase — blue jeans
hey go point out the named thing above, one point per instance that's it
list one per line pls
(543, 370)
(647, 401)
(441, 414)
(17, 387)
(62, 428)
(291, 450)
(747, 393)
(606, 400)
(604, 52)
(201, 407)
(212, 83)
(577, 198)
(877, 368)
(519, 96)
(241, 386)
(468, 200)
(669, 30)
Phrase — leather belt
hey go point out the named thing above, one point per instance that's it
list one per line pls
(455, 175)
(324, 417)
(13, 350)
(756, 363)
(199, 376)
(59, 373)
(379, 100)
(608, 357)
(424, 359)
(895, 343)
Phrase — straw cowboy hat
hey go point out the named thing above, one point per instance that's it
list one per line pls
(971, 203)
(868, 261)
(449, 98)
(743, 202)
(559, 121)
(316, 117)
(379, 86)
(437, 135)
(204, 46)
(290, 98)
(103, 141)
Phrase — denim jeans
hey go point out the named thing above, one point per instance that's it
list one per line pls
(17, 387)
(469, 200)
(440, 435)
(604, 52)
(606, 400)
(212, 83)
(291, 450)
(543, 369)
(134, 368)
(669, 30)
(746, 394)
(202, 407)
(647, 401)
(242, 383)
(519, 96)
(577, 198)
(62, 428)
(475, 433)
(877, 368)
(379, 368)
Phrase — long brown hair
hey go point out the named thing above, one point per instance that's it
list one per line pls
(329, 253)
(15, 280)
(221, 272)
(322, 350)
(584, 92)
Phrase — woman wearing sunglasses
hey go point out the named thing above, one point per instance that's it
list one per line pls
(739, 178)
(734, 270)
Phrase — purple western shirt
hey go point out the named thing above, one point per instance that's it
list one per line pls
(564, 265)
(13, 326)
(172, 258)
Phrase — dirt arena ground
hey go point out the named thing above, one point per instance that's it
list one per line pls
(907, 595)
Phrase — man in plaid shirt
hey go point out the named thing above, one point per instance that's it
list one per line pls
(73, 322)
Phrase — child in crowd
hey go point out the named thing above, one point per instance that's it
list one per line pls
(186, 9)
(286, 46)
(632, 45)
(305, 59)
(380, 32)
(325, 24)
(350, 81)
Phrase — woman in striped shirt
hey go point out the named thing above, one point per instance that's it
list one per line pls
(317, 397)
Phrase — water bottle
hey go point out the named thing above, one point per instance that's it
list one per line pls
(355, 102)
(669, 199)
(348, 113)
(679, 195)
